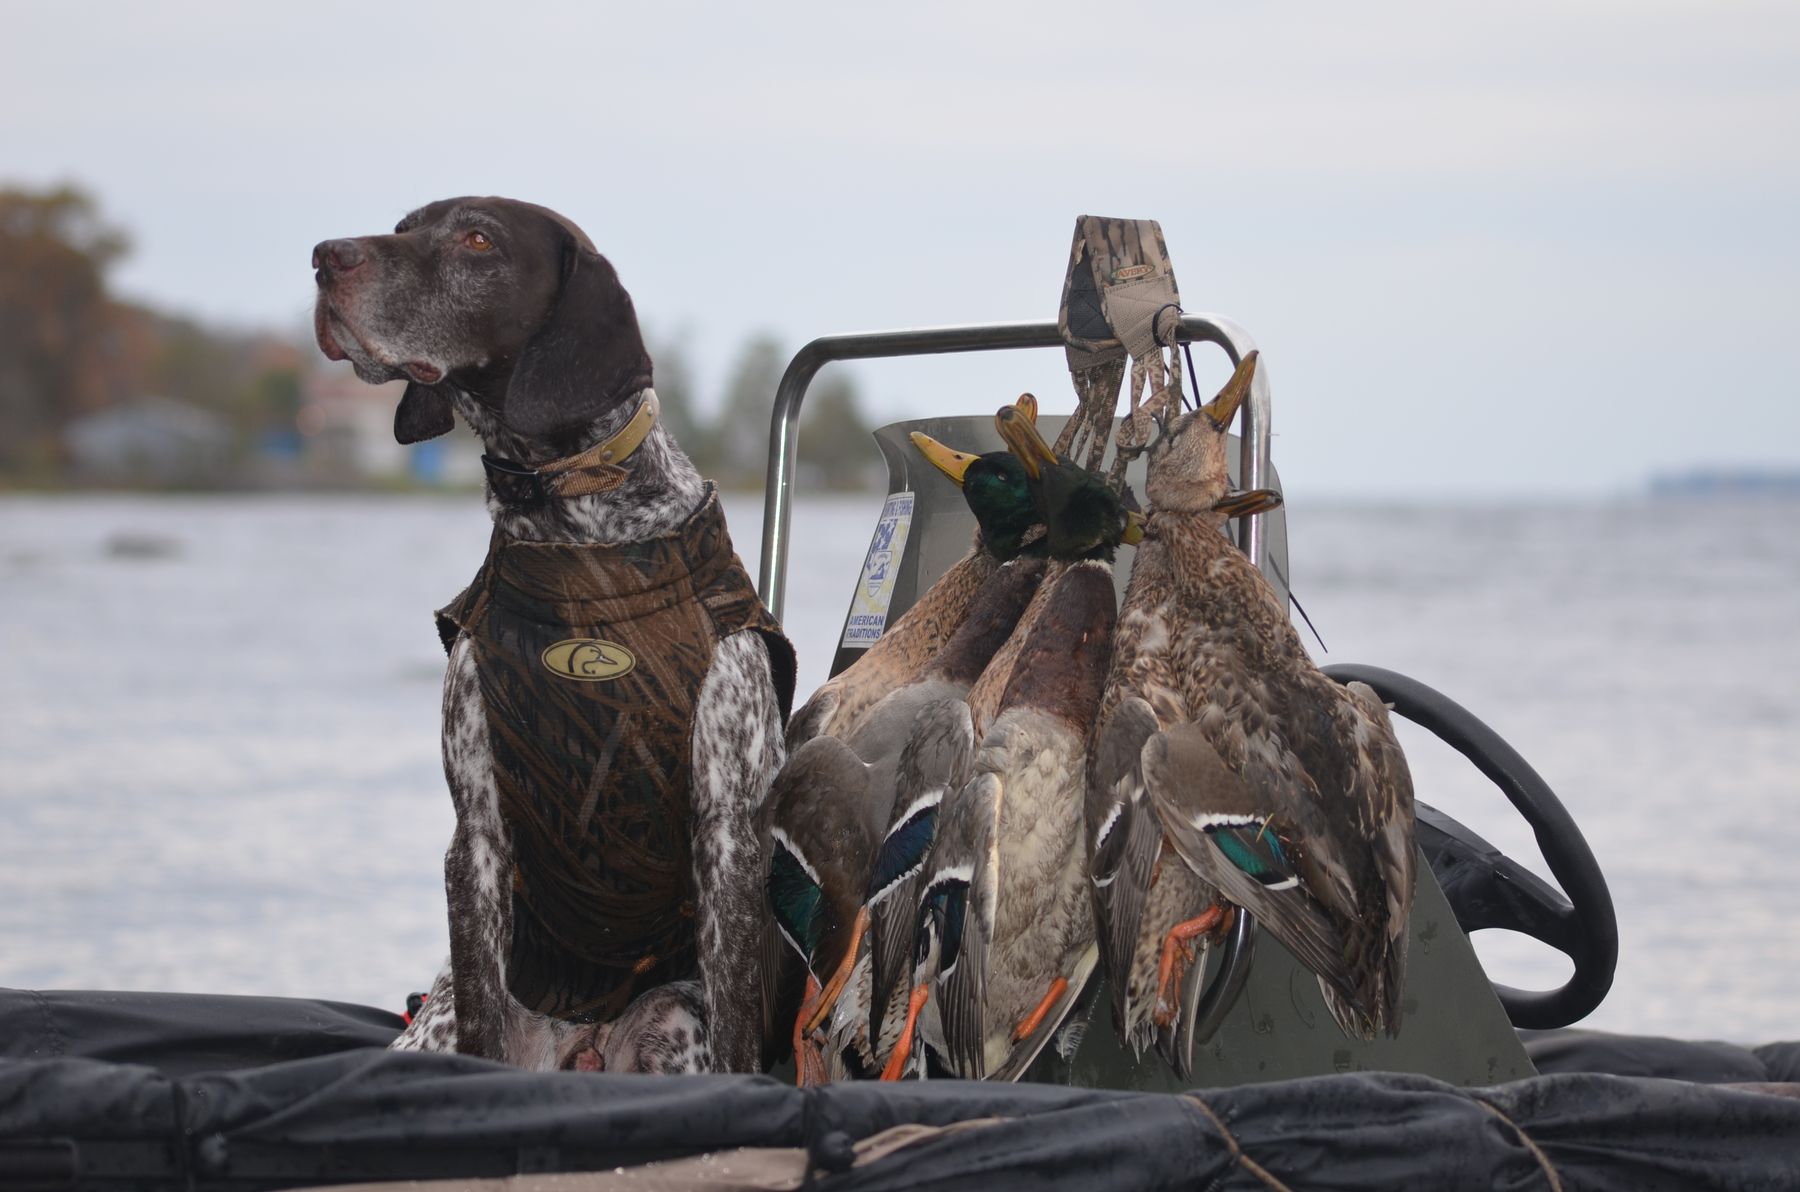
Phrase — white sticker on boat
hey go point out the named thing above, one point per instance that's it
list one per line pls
(875, 590)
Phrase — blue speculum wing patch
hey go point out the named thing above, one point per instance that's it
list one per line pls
(904, 849)
(946, 903)
(795, 899)
(1256, 851)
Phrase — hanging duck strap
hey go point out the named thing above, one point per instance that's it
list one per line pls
(591, 659)
(1120, 308)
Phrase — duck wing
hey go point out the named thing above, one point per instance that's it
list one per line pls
(1361, 854)
(937, 758)
(1386, 795)
(814, 716)
(1125, 837)
(960, 899)
(1267, 848)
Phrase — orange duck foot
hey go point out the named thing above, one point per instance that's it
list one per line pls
(903, 1049)
(1035, 1019)
(839, 978)
(1177, 954)
(804, 1049)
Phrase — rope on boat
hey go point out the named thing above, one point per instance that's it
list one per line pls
(1537, 1152)
(1270, 1181)
(1237, 1152)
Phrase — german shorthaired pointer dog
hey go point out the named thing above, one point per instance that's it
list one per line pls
(604, 886)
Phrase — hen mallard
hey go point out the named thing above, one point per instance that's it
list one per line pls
(1157, 919)
(1270, 782)
(1003, 521)
(1005, 938)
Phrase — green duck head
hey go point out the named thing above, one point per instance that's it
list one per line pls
(995, 487)
(1085, 517)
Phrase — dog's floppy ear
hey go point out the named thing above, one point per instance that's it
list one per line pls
(424, 413)
(587, 357)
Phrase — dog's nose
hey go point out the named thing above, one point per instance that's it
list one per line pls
(337, 256)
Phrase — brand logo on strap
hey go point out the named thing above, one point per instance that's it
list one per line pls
(1132, 272)
(588, 659)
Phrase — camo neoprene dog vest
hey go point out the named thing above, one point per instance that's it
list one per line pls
(591, 659)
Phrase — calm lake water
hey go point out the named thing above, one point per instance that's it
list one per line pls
(218, 726)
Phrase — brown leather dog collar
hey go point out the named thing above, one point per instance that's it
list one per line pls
(599, 469)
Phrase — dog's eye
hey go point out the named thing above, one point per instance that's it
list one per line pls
(478, 241)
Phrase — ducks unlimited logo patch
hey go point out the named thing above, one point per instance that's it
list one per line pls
(588, 659)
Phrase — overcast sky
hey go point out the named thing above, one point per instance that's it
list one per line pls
(1498, 249)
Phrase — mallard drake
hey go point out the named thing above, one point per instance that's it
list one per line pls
(1093, 518)
(995, 485)
(1004, 940)
(831, 807)
(825, 826)
(845, 807)
(1272, 784)
(1004, 517)
(939, 761)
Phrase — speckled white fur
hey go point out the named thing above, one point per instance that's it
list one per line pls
(737, 750)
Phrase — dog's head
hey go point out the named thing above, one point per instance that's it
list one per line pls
(506, 301)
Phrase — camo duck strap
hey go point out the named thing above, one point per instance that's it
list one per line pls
(1119, 303)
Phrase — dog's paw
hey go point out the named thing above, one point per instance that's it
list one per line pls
(585, 1050)
(584, 1058)
(663, 1031)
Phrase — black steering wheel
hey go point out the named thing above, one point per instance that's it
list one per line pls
(1485, 887)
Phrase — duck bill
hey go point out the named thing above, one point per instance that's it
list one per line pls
(1134, 528)
(1027, 405)
(1023, 440)
(1223, 408)
(1245, 502)
(950, 462)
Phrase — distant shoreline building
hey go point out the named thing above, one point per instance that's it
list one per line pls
(1729, 483)
(347, 437)
(150, 440)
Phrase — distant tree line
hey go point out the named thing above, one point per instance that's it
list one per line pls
(69, 348)
(732, 446)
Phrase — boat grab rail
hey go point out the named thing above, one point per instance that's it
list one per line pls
(790, 395)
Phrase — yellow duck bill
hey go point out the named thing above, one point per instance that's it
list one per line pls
(1019, 430)
(954, 463)
(1134, 528)
(1223, 408)
(948, 460)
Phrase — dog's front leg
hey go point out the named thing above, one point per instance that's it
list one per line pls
(433, 1028)
(477, 870)
(737, 749)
